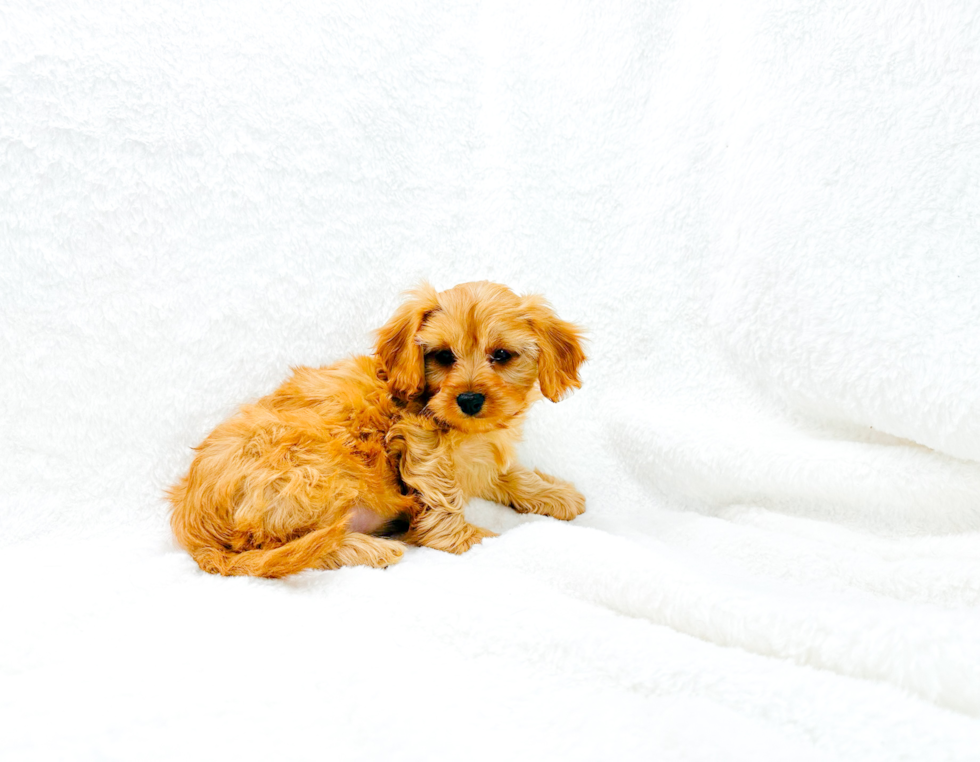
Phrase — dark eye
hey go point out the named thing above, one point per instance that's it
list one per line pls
(444, 357)
(501, 355)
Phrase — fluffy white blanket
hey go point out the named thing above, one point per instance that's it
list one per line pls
(769, 220)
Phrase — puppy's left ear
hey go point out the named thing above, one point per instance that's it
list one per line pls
(401, 356)
(560, 345)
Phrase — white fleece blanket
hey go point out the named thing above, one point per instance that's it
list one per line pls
(767, 217)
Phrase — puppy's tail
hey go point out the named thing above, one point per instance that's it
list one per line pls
(291, 557)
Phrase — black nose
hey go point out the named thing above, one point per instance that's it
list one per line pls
(470, 402)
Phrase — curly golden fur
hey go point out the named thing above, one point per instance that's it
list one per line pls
(308, 476)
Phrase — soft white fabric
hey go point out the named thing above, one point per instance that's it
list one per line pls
(768, 217)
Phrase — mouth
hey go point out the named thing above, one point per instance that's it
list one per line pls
(458, 421)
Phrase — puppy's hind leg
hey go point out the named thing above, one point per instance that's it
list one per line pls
(363, 550)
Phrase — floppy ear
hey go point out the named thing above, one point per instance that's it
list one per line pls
(560, 345)
(400, 355)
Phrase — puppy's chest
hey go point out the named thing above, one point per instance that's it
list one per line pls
(477, 460)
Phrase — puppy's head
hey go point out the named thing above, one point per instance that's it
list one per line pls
(473, 353)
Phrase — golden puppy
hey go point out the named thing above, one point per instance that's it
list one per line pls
(302, 478)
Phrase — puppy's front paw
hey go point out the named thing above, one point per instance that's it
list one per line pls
(452, 534)
(559, 499)
(474, 536)
(566, 504)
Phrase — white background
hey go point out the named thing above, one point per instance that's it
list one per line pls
(767, 216)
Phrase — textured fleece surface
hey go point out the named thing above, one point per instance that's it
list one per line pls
(766, 214)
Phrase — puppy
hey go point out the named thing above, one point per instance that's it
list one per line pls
(309, 475)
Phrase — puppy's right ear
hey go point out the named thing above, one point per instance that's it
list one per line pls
(401, 356)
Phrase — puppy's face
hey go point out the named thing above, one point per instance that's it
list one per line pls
(480, 363)
(473, 354)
